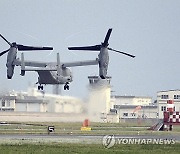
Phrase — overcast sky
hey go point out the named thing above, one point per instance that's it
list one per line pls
(149, 29)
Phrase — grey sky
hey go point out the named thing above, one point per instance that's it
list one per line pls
(149, 29)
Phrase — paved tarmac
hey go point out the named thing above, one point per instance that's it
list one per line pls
(89, 139)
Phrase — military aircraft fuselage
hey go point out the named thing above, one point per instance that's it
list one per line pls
(52, 77)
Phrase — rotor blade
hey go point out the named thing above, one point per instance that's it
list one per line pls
(27, 48)
(2, 53)
(127, 54)
(5, 40)
(91, 48)
(107, 37)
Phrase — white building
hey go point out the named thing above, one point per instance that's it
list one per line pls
(132, 107)
(30, 104)
(132, 100)
(103, 107)
(58, 103)
(7, 103)
(163, 97)
(35, 101)
(134, 111)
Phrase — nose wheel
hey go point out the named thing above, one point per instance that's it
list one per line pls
(40, 87)
(66, 86)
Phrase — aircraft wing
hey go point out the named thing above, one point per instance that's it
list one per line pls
(39, 69)
(32, 65)
(42, 66)
(18, 62)
(81, 63)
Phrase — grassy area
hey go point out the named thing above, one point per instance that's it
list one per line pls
(87, 148)
(74, 128)
(51, 146)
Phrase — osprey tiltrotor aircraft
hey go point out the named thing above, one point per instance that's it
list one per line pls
(103, 56)
(49, 72)
(56, 72)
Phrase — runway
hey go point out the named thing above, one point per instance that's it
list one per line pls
(88, 139)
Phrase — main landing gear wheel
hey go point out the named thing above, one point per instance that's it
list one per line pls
(40, 87)
(66, 86)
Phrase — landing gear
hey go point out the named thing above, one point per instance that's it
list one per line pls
(66, 86)
(40, 87)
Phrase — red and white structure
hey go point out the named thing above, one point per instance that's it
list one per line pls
(171, 117)
(170, 106)
(170, 96)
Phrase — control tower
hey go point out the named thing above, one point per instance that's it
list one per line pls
(99, 102)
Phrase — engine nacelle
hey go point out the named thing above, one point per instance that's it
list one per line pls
(10, 60)
(10, 72)
(103, 62)
(103, 72)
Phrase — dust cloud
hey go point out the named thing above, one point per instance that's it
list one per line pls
(98, 100)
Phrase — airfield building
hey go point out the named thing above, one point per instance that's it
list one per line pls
(107, 108)
(35, 101)
(133, 107)
(100, 107)
(163, 97)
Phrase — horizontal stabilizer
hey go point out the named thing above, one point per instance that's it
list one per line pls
(58, 65)
(91, 48)
(22, 65)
